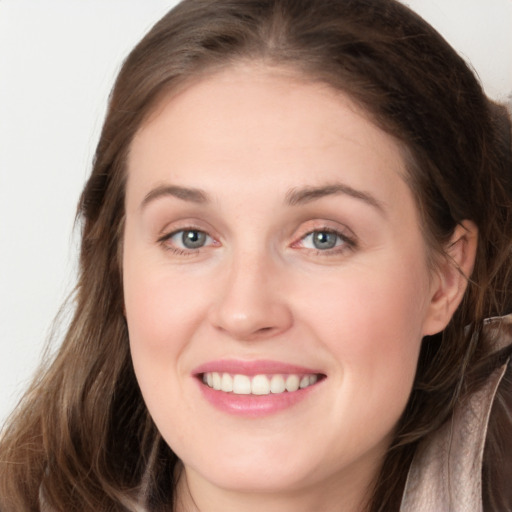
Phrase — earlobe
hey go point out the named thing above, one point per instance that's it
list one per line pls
(451, 277)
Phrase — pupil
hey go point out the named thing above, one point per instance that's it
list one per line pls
(193, 239)
(324, 240)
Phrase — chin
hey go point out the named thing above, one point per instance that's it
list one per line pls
(261, 468)
(254, 477)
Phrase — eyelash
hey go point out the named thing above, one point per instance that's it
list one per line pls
(347, 242)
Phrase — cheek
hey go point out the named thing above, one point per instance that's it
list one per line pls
(369, 307)
(162, 312)
(373, 329)
(163, 308)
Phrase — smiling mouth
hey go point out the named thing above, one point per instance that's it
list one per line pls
(262, 384)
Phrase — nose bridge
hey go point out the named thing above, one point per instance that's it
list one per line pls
(249, 303)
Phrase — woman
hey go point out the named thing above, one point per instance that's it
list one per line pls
(297, 224)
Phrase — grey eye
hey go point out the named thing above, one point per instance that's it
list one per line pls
(193, 239)
(324, 239)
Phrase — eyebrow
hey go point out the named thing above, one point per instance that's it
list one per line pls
(298, 196)
(294, 197)
(193, 195)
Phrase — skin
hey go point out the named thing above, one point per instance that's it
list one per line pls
(258, 288)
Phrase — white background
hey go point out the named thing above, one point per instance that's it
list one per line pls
(58, 60)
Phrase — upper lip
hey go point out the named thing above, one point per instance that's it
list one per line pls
(254, 367)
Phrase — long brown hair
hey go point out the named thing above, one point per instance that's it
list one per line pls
(82, 438)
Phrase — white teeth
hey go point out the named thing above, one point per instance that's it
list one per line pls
(304, 382)
(277, 384)
(226, 383)
(259, 384)
(241, 385)
(216, 381)
(292, 383)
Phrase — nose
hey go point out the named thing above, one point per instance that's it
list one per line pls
(251, 302)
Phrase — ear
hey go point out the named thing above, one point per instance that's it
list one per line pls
(451, 277)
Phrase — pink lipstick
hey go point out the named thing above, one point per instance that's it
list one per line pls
(255, 388)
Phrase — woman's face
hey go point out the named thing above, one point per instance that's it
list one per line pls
(271, 243)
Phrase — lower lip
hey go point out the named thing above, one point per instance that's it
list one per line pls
(254, 406)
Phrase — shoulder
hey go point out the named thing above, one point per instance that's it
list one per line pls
(466, 465)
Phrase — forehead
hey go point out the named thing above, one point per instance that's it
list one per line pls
(250, 122)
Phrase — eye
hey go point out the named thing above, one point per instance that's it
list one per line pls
(186, 240)
(325, 240)
(322, 240)
(192, 239)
